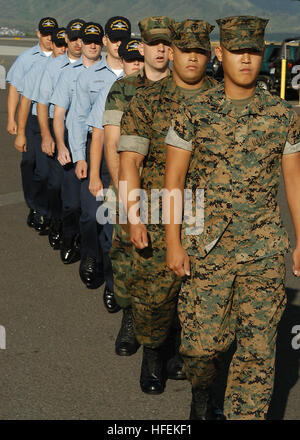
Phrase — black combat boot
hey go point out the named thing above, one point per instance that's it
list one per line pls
(175, 364)
(200, 404)
(175, 368)
(203, 407)
(152, 379)
(126, 343)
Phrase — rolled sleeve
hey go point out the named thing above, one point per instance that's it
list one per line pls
(289, 148)
(292, 144)
(173, 139)
(134, 144)
(112, 117)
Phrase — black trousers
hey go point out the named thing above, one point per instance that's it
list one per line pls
(70, 195)
(34, 169)
(54, 183)
(96, 239)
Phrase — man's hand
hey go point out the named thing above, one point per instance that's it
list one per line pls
(138, 235)
(20, 142)
(63, 155)
(12, 127)
(178, 260)
(296, 260)
(95, 185)
(81, 169)
(48, 145)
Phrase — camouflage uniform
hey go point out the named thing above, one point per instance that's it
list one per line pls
(117, 100)
(143, 129)
(236, 285)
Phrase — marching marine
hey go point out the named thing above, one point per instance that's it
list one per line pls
(144, 126)
(231, 143)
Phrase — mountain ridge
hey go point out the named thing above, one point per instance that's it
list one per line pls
(283, 16)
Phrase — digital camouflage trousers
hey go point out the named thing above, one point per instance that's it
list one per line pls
(225, 301)
(145, 281)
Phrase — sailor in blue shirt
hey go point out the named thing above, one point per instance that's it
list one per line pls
(16, 76)
(91, 36)
(63, 98)
(89, 84)
(22, 65)
(132, 61)
(95, 248)
(45, 112)
(35, 181)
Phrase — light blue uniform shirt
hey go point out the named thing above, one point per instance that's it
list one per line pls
(22, 65)
(88, 86)
(96, 115)
(49, 80)
(32, 80)
(63, 95)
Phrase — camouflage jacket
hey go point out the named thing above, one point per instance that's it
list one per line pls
(120, 95)
(236, 159)
(145, 124)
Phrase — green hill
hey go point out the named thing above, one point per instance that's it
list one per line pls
(25, 14)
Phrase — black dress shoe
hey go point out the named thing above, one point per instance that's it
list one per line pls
(90, 274)
(175, 368)
(110, 302)
(30, 218)
(126, 343)
(70, 250)
(41, 224)
(55, 233)
(152, 379)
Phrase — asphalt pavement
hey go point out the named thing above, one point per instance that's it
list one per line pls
(59, 361)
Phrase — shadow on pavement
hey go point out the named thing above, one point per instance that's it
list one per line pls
(287, 359)
(286, 364)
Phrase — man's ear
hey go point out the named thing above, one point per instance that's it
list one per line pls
(219, 53)
(104, 40)
(141, 49)
(38, 34)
